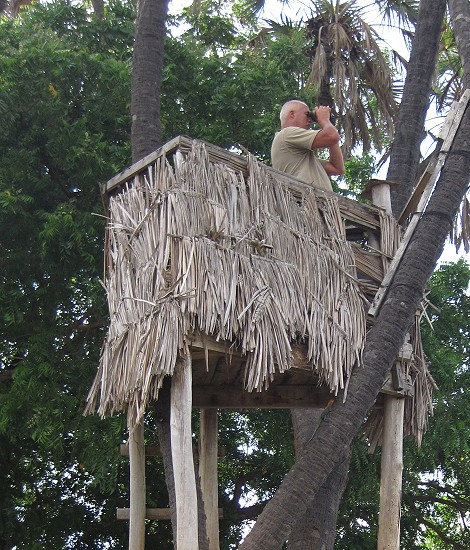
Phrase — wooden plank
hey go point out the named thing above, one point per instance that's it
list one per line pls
(446, 137)
(389, 388)
(154, 514)
(154, 450)
(380, 296)
(182, 455)
(208, 451)
(413, 201)
(452, 130)
(137, 167)
(137, 492)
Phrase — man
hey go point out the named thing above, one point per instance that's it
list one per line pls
(293, 148)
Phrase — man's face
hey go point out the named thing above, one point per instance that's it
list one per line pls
(300, 116)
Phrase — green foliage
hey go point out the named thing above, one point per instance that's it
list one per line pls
(359, 170)
(449, 84)
(64, 99)
(64, 114)
(436, 478)
(239, 90)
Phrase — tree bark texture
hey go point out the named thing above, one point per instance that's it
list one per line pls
(147, 67)
(405, 152)
(331, 442)
(316, 529)
(459, 11)
(98, 8)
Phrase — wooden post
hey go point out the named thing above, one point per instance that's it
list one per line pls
(392, 438)
(391, 474)
(208, 473)
(182, 455)
(378, 191)
(137, 493)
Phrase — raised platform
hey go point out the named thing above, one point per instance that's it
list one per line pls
(212, 242)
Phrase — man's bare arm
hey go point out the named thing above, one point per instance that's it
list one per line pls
(335, 165)
(328, 136)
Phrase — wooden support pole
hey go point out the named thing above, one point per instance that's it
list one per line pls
(182, 455)
(392, 437)
(137, 493)
(208, 474)
(378, 191)
(391, 474)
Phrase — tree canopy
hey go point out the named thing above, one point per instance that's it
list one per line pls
(65, 117)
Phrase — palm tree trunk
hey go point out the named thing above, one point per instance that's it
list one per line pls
(147, 67)
(316, 529)
(460, 16)
(405, 154)
(332, 440)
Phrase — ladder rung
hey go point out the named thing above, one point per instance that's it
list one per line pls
(153, 513)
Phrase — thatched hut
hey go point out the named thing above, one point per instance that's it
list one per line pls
(254, 284)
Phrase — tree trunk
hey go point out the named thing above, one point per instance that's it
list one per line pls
(332, 440)
(98, 8)
(459, 11)
(162, 415)
(316, 529)
(147, 67)
(405, 153)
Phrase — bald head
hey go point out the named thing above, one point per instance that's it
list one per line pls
(292, 111)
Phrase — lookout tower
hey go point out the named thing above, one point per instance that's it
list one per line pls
(248, 288)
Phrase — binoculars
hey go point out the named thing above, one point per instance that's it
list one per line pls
(311, 115)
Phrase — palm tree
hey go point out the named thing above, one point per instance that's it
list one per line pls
(405, 152)
(349, 72)
(147, 71)
(312, 468)
(459, 11)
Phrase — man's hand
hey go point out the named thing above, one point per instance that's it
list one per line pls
(322, 114)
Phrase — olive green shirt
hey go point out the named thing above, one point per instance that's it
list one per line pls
(291, 152)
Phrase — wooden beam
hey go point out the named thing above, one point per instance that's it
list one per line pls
(137, 492)
(208, 474)
(275, 397)
(155, 514)
(182, 455)
(378, 191)
(446, 137)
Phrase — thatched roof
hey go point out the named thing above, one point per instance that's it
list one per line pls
(195, 245)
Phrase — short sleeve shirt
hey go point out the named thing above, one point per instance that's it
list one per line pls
(291, 152)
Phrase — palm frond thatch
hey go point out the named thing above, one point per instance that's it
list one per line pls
(236, 251)
(199, 247)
